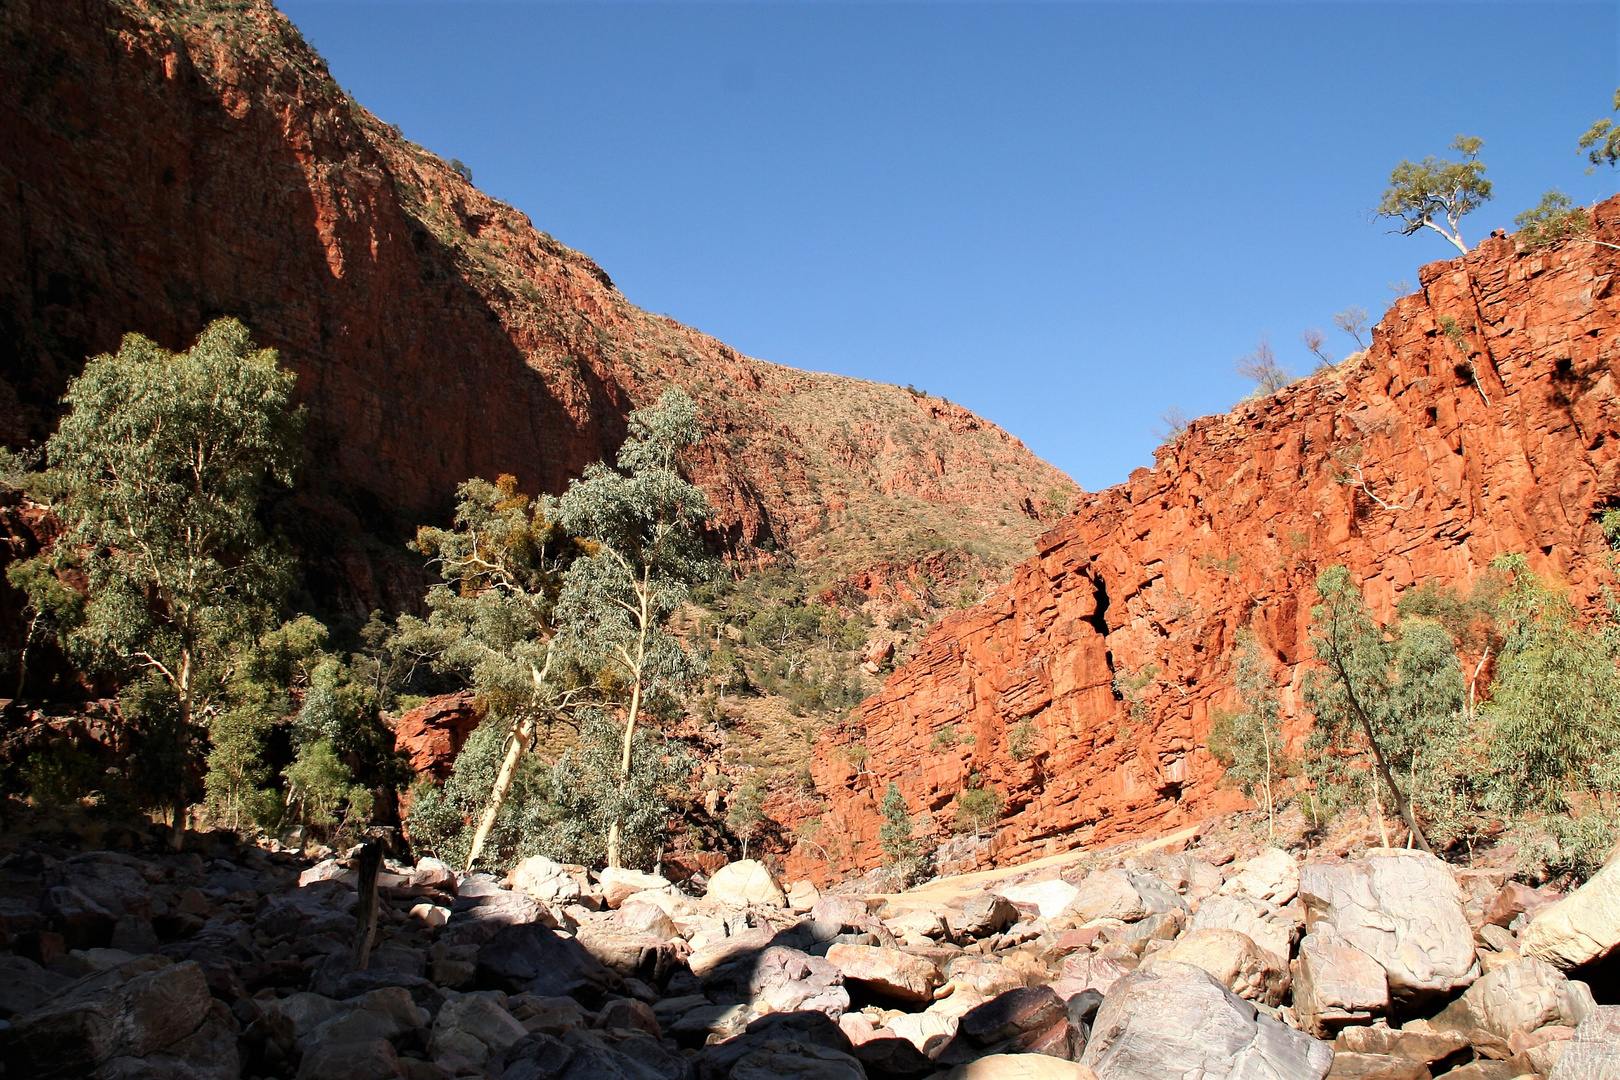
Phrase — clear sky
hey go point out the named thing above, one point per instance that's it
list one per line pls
(1067, 216)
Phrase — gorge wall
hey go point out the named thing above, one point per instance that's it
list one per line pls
(1417, 459)
(171, 161)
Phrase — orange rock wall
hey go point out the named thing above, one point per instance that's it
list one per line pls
(1396, 464)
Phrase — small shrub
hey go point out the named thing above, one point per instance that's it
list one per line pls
(977, 808)
(1021, 741)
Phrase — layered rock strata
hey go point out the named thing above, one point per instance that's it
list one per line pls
(1084, 690)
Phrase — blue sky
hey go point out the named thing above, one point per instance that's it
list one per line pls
(1067, 216)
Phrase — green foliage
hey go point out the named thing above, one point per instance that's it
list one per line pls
(491, 618)
(1384, 701)
(1554, 218)
(977, 808)
(1128, 686)
(895, 835)
(1248, 742)
(324, 788)
(774, 635)
(1023, 740)
(562, 810)
(1554, 713)
(1602, 140)
(745, 810)
(161, 467)
(945, 738)
(1420, 193)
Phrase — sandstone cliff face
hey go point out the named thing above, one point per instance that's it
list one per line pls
(1419, 459)
(170, 161)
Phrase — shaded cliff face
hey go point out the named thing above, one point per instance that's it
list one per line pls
(170, 161)
(1418, 459)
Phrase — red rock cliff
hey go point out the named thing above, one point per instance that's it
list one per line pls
(170, 161)
(1418, 459)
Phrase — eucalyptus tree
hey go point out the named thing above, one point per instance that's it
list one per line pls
(491, 620)
(641, 552)
(1248, 741)
(1386, 695)
(1436, 194)
(161, 466)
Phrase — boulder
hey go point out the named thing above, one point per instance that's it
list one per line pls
(1513, 899)
(1051, 898)
(802, 895)
(1018, 1016)
(887, 973)
(1089, 971)
(368, 1059)
(141, 1008)
(619, 884)
(630, 953)
(889, 1057)
(1020, 1067)
(783, 980)
(1353, 1066)
(1434, 1050)
(1106, 894)
(476, 1027)
(1176, 1020)
(644, 918)
(530, 957)
(24, 985)
(1336, 984)
(1402, 908)
(1234, 959)
(1517, 999)
(924, 1029)
(834, 915)
(431, 873)
(1580, 928)
(793, 1060)
(544, 880)
(719, 1061)
(917, 927)
(705, 961)
(1590, 1055)
(1272, 876)
(981, 915)
(1268, 927)
(630, 1015)
(385, 1013)
(744, 883)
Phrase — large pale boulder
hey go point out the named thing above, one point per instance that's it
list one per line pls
(544, 880)
(834, 915)
(1271, 928)
(1336, 984)
(1234, 959)
(889, 973)
(619, 884)
(784, 980)
(1271, 875)
(1020, 1067)
(1581, 927)
(1050, 897)
(1591, 1054)
(1517, 999)
(746, 882)
(1106, 894)
(1402, 908)
(1175, 1020)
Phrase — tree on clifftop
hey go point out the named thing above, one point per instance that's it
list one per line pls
(162, 464)
(1602, 140)
(1421, 192)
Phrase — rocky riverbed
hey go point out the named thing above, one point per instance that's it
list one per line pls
(231, 961)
